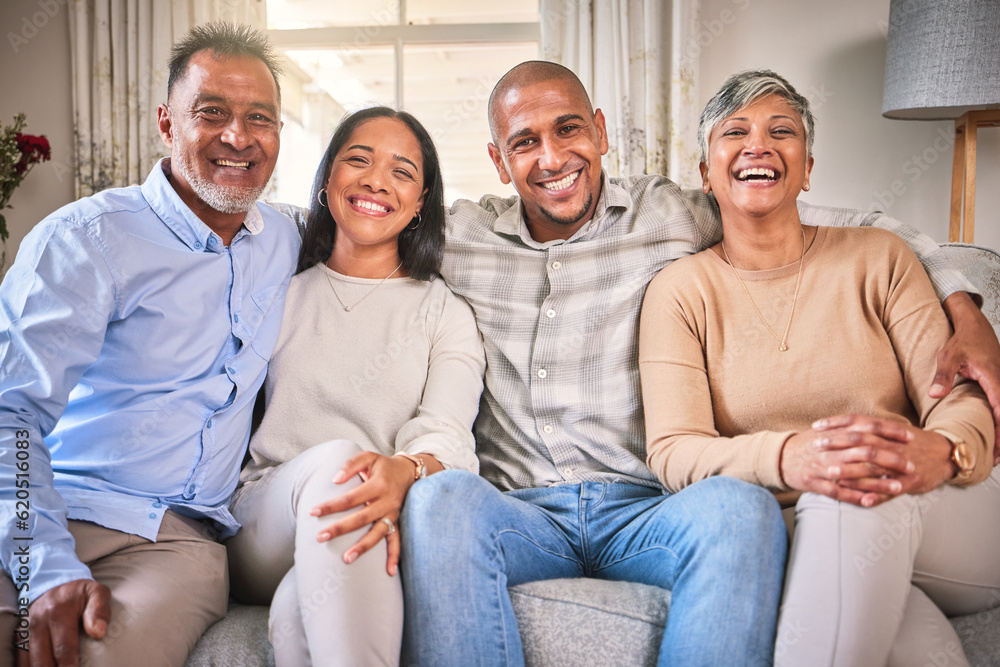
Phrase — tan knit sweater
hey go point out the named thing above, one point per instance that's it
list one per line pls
(721, 399)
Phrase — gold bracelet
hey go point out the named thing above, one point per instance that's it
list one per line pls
(421, 468)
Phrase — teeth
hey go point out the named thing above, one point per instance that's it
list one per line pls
(756, 171)
(370, 206)
(231, 163)
(561, 183)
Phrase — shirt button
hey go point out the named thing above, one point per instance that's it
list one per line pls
(550, 313)
(157, 504)
(152, 516)
(236, 318)
(556, 264)
(547, 428)
(229, 369)
(209, 424)
(211, 240)
(542, 373)
(198, 245)
(567, 472)
(191, 489)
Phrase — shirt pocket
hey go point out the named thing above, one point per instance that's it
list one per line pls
(264, 319)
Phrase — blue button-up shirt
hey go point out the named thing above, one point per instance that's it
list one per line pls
(134, 342)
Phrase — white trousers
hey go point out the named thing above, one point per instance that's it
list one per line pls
(323, 611)
(875, 586)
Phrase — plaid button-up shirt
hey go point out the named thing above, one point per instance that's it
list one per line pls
(562, 401)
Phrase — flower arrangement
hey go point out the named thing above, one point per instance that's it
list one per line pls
(18, 154)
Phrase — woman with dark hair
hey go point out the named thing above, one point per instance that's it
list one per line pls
(421, 246)
(374, 383)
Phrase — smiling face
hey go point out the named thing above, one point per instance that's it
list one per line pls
(375, 187)
(549, 145)
(222, 126)
(758, 159)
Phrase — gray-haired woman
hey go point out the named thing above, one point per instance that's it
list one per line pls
(781, 326)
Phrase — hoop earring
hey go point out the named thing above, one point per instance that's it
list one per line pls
(319, 198)
(412, 226)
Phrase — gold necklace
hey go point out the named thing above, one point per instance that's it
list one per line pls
(783, 346)
(367, 294)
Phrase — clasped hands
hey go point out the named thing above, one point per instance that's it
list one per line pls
(865, 460)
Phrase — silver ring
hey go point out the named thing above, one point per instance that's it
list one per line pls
(388, 522)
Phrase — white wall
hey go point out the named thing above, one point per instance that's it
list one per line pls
(834, 53)
(34, 79)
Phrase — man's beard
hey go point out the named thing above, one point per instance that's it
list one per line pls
(572, 220)
(230, 199)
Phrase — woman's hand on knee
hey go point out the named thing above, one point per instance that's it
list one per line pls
(385, 528)
(380, 496)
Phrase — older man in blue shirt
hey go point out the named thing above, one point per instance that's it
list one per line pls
(135, 328)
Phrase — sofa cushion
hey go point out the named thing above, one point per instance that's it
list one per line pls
(238, 639)
(590, 622)
(577, 622)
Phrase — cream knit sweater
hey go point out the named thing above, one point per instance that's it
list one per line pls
(401, 372)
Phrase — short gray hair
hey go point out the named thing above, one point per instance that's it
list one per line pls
(740, 91)
(224, 39)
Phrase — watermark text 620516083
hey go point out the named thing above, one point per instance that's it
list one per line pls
(20, 560)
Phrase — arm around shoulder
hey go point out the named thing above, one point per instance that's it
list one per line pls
(918, 328)
(945, 276)
(973, 350)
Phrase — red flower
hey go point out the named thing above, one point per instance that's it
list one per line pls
(33, 149)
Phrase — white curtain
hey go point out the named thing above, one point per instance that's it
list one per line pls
(638, 59)
(119, 52)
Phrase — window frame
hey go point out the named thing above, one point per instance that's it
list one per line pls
(402, 33)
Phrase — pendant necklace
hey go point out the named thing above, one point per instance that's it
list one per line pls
(367, 294)
(782, 340)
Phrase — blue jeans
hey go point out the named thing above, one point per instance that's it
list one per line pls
(719, 545)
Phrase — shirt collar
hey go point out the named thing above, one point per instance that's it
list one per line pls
(175, 214)
(512, 223)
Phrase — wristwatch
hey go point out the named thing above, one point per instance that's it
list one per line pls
(963, 456)
(421, 468)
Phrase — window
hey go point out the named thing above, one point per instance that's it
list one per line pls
(437, 59)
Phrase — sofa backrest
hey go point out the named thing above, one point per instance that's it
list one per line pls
(981, 266)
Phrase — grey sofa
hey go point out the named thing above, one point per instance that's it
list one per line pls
(582, 622)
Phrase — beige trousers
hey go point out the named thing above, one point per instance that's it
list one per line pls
(875, 586)
(164, 594)
(323, 612)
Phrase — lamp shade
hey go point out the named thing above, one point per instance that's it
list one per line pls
(943, 58)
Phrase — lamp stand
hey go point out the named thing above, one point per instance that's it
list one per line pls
(963, 173)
